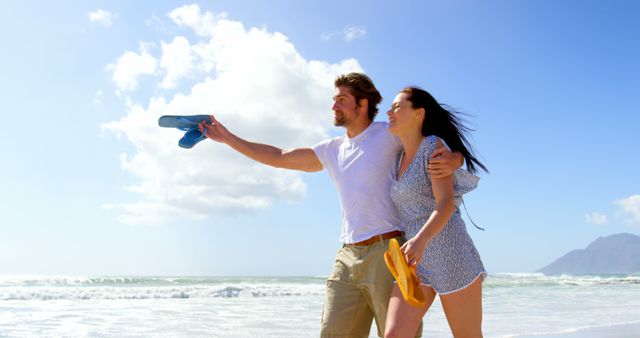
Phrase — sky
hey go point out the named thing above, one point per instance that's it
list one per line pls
(92, 186)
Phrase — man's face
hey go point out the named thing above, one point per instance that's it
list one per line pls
(345, 109)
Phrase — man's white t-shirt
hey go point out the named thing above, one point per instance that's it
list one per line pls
(362, 169)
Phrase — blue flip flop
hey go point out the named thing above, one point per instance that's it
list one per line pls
(182, 122)
(188, 123)
(191, 138)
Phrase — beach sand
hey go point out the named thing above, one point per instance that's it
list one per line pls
(610, 331)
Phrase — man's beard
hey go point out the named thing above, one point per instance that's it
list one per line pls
(338, 120)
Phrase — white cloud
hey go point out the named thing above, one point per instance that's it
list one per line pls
(630, 209)
(203, 24)
(328, 36)
(595, 218)
(258, 85)
(130, 66)
(153, 21)
(102, 17)
(177, 60)
(97, 97)
(349, 33)
(353, 32)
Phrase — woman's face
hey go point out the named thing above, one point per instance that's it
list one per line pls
(403, 118)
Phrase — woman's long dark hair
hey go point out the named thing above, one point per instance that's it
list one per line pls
(444, 123)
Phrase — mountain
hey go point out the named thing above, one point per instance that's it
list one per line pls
(615, 254)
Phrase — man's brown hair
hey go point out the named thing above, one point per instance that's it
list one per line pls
(361, 87)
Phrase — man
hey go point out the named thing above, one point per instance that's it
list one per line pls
(362, 166)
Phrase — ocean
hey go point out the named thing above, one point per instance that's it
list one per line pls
(515, 305)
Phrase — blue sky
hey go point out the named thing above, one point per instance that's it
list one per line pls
(91, 186)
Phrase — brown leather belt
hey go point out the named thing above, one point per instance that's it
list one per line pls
(377, 238)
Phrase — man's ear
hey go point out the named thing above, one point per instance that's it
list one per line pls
(363, 105)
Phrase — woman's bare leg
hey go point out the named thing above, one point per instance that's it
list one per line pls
(403, 319)
(464, 310)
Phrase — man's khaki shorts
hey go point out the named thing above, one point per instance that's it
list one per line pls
(357, 291)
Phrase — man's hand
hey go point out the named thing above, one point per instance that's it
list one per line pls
(214, 130)
(443, 162)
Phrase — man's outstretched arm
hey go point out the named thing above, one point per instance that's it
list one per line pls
(303, 159)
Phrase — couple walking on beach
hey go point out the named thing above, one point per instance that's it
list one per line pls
(395, 180)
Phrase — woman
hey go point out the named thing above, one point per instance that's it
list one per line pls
(447, 262)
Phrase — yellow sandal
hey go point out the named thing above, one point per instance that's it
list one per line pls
(406, 277)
